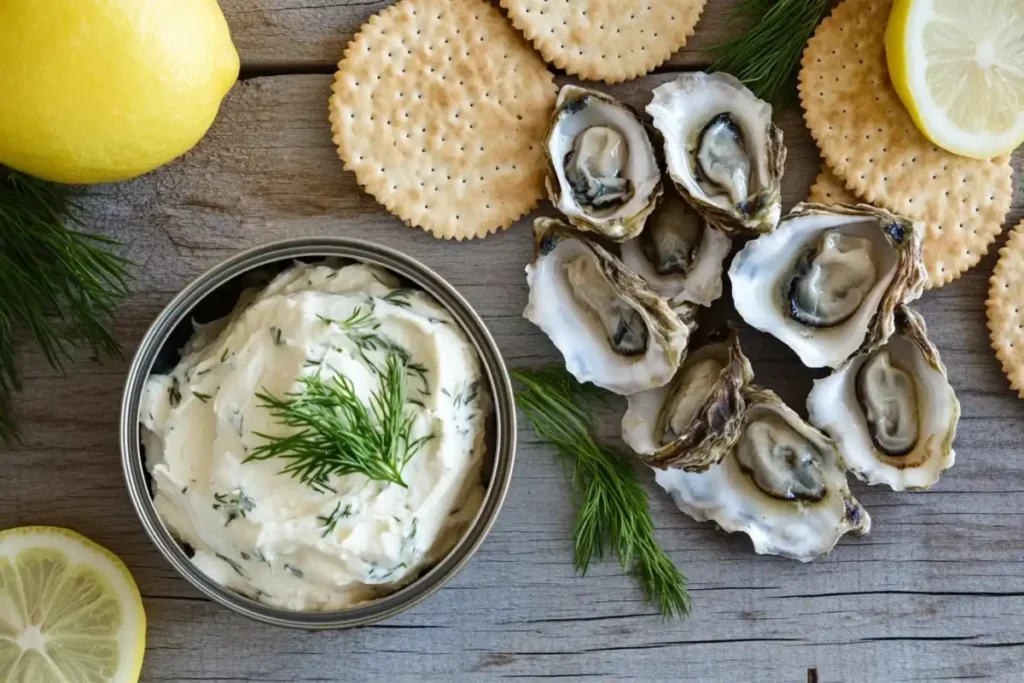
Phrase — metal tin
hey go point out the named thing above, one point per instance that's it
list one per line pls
(213, 295)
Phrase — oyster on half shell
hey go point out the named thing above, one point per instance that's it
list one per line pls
(722, 150)
(679, 254)
(610, 327)
(783, 484)
(891, 409)
(829, 279)
(694, 420)
(602, 170)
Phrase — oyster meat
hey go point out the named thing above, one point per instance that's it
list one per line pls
(783, 484)
(891, 409)
(692, 422)
(602, 170)
(609, 326)
(829, 279)
(722, 150)
(679, 254)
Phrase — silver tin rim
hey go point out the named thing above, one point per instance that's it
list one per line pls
(504, 437)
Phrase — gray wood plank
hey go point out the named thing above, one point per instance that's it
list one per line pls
(302, 36)
(935, 592)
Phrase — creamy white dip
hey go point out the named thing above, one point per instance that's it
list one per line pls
(266, 534)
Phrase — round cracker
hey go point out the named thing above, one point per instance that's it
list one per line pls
(440, 109)
(944, 250)
(828, 189)
(606, 40)
(1005, 309)
(869, 140)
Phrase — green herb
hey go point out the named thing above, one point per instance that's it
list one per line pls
(767, 57)
(275, 334)
(467, 394)
(294, 571)
(174, 392)
(231, 563)
(202, 397)
(410, 537)
(379, 573)
(61, 284)
(224, 356)
(338, 434)
(398, 297)
(331, 521)
(236, 504)
(613, 505)
(359, 319)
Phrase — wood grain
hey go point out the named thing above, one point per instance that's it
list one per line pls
(935, 592)
(310, 35)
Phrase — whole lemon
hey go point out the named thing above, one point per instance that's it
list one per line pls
(94, 91)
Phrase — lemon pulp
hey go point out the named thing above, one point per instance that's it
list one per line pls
(958, 67)
(69, 610)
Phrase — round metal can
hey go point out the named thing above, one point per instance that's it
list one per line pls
(213, 295)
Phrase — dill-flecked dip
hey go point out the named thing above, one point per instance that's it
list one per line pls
(322, 445)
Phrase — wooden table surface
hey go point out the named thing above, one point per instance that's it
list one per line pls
(935, 592)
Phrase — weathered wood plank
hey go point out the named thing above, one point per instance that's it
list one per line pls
(299, 36)
(935, 591)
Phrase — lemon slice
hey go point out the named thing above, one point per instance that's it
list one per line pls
(958, 66)
(69, 610)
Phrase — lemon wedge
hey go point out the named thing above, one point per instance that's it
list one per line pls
(958, 66)
(69, 610)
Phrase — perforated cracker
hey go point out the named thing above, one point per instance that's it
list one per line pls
(440, 108)
(1005, 309)
(606, 40)
(947, 253)
(869, 140)
(828, 189)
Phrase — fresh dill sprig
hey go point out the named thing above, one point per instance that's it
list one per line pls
(767, 57)
(359, 319)
(337, 434)
(613, 505)
(61, 284)
(398, 297)
(331, 521)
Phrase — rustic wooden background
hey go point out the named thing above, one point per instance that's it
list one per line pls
(936, 592)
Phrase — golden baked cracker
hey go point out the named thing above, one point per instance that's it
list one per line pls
(606, 40)
(828, 189)
(440, 109)
(869, 140)
(947, 253)
(1005, 309)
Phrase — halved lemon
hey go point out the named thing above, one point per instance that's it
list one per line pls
(958, 66)
(69, 610)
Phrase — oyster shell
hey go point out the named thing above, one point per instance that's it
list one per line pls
(692, 422)
(783, 484)
(610, 327)
(722, 150)
(828, 279)
(679, 254)
(891, 409)
(602, 171)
